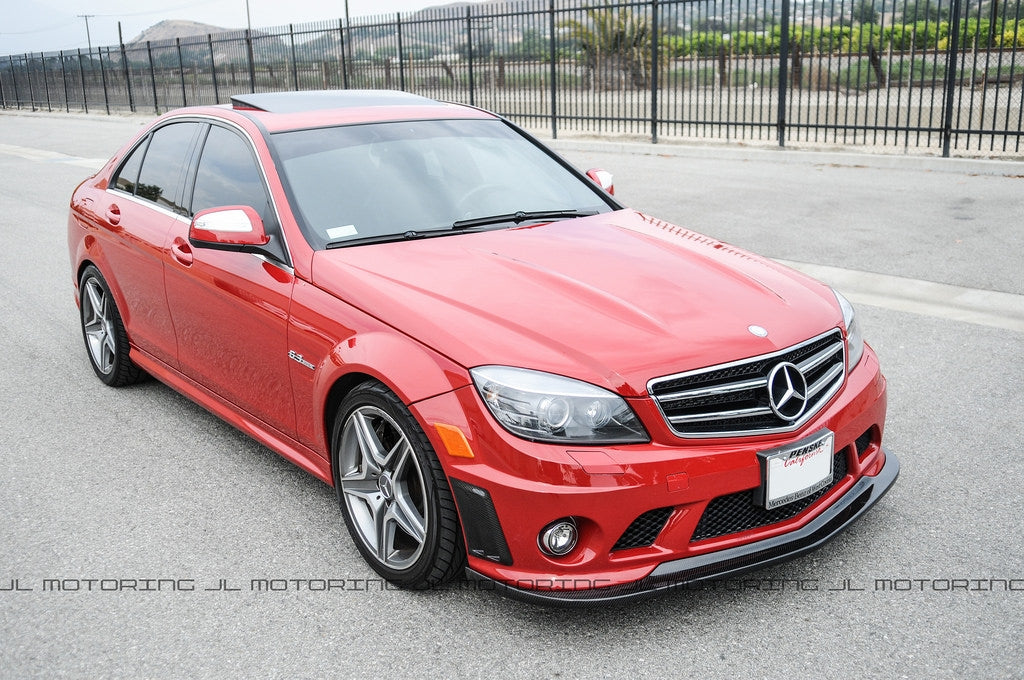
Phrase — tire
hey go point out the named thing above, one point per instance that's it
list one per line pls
(394, 496)
(106, 341)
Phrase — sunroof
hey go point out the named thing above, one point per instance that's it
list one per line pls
(320, 100)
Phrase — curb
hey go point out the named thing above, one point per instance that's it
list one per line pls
(816, 155)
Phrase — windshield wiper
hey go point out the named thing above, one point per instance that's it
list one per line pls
(462, 225)
(383, 238)
(522, 216)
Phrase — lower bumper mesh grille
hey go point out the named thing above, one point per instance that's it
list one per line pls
(736, 512)
(644, 530)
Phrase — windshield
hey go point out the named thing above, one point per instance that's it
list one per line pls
(364, 181)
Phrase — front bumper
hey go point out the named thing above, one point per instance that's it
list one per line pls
(684, 573)
(640, 508)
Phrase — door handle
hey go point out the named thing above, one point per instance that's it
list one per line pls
(114, 214)
(182, 251)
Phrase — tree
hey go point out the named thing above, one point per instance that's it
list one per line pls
(534, 45)
(865, 12)
(924, 10)
(616, 46)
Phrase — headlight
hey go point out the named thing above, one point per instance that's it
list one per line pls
(854, 338)
(550, 408)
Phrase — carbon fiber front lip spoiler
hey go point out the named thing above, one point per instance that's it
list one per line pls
(685, 573)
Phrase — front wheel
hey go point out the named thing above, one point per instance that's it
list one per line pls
(105, 336)
(393, 494)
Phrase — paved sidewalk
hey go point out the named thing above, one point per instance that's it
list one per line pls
(949, 221)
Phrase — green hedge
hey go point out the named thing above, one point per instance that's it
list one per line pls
(922, 35)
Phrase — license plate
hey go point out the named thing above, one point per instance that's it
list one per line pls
(796, 471)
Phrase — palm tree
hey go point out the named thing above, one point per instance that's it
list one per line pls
(616, 47)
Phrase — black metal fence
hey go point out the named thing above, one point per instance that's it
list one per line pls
(923, 74)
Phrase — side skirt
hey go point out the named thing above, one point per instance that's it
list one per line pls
(299, 454)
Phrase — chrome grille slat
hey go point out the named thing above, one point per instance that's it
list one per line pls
(823, 382)
(711, 391)
(732, 399)
(819, 358)
(721, 415)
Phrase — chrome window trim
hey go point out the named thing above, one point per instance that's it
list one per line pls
(213, 120)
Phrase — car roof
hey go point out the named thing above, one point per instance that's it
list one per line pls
(281, 111)
(321, 100)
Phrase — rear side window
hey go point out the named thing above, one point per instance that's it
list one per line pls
(228, 175)
(129, 174)
(164, 166)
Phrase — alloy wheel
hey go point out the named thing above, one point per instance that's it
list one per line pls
(383, 487)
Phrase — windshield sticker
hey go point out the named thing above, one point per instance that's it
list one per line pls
(342, 232)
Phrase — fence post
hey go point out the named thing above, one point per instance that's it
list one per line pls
(344, 61)
(64, 79)
(401, 55)
(14, 79)
(46, 84)
(213, 69)
(951, 66)
(783, 71)
(469, 52)
(654, 71)
(103, 78)
(181, 72)
(252, 65)
(554, 70)
(295, 68)
(152, 76)
(28, 74)
(81, 72)
(127, 71)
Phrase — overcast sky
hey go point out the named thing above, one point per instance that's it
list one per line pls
(50, 25)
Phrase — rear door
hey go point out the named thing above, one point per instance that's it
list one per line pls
(139, 208)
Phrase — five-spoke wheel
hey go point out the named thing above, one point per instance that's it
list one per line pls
(105, 337)
(382, 487)
(394, 496)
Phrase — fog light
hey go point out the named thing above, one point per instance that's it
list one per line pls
(559, 537)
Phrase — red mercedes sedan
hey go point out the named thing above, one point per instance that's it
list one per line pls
(501, 370)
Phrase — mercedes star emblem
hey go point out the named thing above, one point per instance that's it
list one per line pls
(787, 391)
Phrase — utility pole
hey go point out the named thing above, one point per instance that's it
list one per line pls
(88, 36)
(248, 17)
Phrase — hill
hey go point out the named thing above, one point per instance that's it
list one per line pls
(173, 28)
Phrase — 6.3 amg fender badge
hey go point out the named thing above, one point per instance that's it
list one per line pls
(295, 356)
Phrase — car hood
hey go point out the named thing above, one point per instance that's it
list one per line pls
(614, 299)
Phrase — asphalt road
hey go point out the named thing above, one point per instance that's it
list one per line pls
(102, 490)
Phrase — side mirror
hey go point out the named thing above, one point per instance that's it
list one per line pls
(603, 179)
(230, 228)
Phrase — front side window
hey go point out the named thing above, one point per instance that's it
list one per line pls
(163, 169)
(228, 175)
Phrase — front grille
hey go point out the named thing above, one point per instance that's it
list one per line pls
(733, 399)
(644, 530)
(737, 512)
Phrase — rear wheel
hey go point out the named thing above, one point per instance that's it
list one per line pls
(393, 494)
(105, 337)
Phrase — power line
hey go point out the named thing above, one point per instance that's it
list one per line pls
(54, 27)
